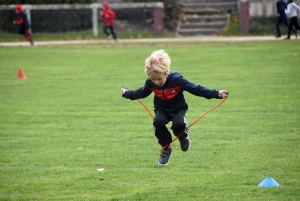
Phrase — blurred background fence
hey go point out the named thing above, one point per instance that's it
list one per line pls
(133, 17)
(58, 18)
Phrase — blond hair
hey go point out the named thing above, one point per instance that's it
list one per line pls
(158, 62)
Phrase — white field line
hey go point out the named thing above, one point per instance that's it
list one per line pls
(146, 40)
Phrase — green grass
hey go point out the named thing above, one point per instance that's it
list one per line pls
(67, 119)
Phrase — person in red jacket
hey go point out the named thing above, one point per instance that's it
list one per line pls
(23, 23)
(108, 16)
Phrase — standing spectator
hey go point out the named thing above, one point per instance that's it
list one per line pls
(282, 18)
(23, 22)
(292, 12)
(108, 16)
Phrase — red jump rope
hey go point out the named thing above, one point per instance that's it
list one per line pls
(223, 100)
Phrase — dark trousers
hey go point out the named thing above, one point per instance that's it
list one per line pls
(25, 32)
(111, 29)
(293, 22)
(282, 19)
(179, 125)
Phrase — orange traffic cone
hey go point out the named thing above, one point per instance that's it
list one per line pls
(21, 74)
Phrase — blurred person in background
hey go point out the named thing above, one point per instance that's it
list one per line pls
(291, 10)
(108, 16)
(282, 17)
(23, 23)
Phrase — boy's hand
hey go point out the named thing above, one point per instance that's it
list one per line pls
(123, 91)
(223, 93)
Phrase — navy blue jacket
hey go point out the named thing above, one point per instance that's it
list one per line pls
(281, 6)
(170, 96)
(23, 20)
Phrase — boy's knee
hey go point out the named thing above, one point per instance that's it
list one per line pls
(179, 127)
(158, 124)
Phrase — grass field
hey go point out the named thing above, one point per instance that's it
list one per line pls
(67, 119)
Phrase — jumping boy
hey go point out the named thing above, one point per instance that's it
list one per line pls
(169, 102)
(108, 16)
(23, 22)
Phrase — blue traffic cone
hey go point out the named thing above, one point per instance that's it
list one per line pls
(268, 182)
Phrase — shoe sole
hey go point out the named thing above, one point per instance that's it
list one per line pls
(166, 163)
(163, 164)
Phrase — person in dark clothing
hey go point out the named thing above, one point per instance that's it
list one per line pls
(23, 23)
(108, 16)
(169, 101)
(282, 17)
(291, 10)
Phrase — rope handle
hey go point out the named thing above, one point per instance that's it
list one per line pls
(141, 104)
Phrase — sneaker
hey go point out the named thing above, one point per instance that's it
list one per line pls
(185, 144)
(164, 156)
(109, 37)
(278, 36)
(287, 39)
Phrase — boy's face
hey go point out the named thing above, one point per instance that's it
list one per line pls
(158, 79)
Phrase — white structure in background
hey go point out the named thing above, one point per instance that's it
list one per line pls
(93, 7)
(264, 8)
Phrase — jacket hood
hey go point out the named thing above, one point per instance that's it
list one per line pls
(105, 5)
(19, 8)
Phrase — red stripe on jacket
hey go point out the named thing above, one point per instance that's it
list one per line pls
(166, 94)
